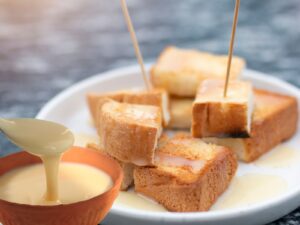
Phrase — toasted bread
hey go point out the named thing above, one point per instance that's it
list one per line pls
(180, 71)
(155, 97)
(181, 113)
(129, 132)
(275, 119)
(93, 100)
(126, 167)
(188, 175)
(217, 116)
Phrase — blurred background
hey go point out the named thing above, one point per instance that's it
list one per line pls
(48, 45)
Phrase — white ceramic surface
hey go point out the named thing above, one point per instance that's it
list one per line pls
(70, 109)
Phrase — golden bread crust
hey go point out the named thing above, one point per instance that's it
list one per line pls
(93, 100)
(181, 190)
(214, 115)
(219, 120)
(275, 119)
(155, 97)
(180, 71)
(188, 148)
(129, 136)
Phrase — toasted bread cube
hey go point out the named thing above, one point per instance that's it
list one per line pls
(181, 113)
(275, 119)
(127, 168)
(188, 175)
(94, 98)
(129, 132)
(216, 116)
(180, 71)
(155, 97)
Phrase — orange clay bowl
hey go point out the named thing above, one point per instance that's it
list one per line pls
(88, 212)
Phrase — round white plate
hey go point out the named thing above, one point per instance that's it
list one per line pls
(70, 109)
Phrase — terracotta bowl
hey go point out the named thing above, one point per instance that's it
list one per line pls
(88, 212)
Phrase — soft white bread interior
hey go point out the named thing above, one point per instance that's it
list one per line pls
(129, 132)
(180, 71)
(275, 119)
(188, 175)
(181, 113)
(127, 168)
(155, 97)
(217, 116)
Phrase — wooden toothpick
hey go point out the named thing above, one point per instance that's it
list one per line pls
(235, 19)
(135, 42)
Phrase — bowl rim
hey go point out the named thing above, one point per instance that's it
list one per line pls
(116, 183)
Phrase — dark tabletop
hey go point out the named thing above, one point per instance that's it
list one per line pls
(48, 45)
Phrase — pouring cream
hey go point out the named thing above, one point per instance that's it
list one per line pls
(45, 139)
(48, 140)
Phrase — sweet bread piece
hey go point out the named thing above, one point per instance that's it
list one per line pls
(94, 98)
(189, 175)
(155, 97)
(216, 116)
(129, 132)
(181, 113)
(126, 167)
(180, 71)
(275, 119)
(166, 136)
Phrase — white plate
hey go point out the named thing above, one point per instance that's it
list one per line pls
(70, 109)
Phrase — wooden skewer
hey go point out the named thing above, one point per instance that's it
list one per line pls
(135, 42)
(235, 19)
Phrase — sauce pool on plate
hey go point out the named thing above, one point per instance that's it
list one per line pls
(250, 189)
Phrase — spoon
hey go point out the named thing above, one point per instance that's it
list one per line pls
(46, 139)
(38, 137)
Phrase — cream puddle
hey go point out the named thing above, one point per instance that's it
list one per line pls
(133, 200)
(281, 156)
(250, 189)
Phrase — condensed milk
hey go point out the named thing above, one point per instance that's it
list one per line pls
(131, 199)
(280, 157)
(76, 182)
(250, 189)
(48, 141)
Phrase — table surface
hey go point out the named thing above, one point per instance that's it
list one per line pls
(46, 46)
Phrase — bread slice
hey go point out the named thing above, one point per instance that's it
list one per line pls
(216, 116)
(126, 167)
(180, 71)
(155, 97)
(181, 113)
(275, 119)
(188, 175)
(129, 132)
(94, 98)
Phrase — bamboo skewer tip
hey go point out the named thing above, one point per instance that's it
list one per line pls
(135, 43)
(230, 52)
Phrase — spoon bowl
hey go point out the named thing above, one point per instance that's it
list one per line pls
(37, 136)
